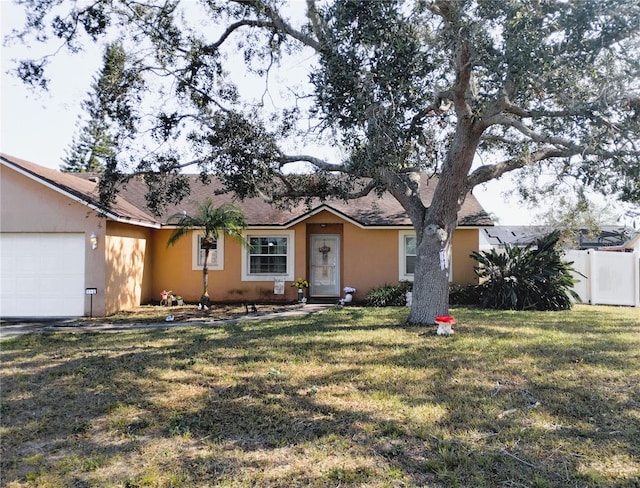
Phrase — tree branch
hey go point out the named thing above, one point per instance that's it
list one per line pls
(235, 26)
(463, 80)
(406, 189)
(277, 22)
(317, 25)
(507, 121)
(317, 162)
(489, 172)
(438, 106)
(151, 28)
(297, 192)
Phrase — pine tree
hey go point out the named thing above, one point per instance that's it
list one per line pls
(98, 139)
(89, 150)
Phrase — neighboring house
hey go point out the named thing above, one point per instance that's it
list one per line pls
(630, 245)
(58, 244)
(609, 238)
(633, 244)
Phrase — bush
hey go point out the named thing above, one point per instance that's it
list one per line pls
(464, 295)
(389, 295)
(531, 278)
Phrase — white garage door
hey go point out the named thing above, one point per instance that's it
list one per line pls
(42, 275)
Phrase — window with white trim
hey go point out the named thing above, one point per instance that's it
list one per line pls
(215, 260)
(407, 256)
(269, 254)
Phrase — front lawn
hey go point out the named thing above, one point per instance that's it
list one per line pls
(348, 397)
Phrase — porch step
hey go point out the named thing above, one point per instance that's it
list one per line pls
(323, 300)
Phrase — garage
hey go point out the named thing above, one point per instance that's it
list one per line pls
(42, 274)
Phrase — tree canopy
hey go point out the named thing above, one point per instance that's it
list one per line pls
(464, 90)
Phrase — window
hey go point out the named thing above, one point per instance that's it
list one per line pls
(407, 256)
(216, 253)
(268, 255)
(407, 262)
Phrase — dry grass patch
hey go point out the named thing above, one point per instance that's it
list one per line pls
(349, 397)
(188, 313)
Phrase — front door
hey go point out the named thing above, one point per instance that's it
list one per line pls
(325, 266)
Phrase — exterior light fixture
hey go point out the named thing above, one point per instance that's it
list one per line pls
(93, 239)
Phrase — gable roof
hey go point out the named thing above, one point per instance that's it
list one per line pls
(81, 190)
(367, 211)
(130, 205)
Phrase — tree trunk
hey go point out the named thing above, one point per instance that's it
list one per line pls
(434, 231)
(204, 300)
(431, 275)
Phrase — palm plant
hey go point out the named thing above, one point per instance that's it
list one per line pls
(212, 221)
(531, 278)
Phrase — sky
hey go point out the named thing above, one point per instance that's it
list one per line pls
(40, 126)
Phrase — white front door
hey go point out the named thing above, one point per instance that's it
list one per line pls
(325, 266)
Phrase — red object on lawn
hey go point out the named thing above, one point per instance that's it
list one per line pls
(445, 319)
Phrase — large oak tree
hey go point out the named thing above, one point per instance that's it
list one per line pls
(462, 90)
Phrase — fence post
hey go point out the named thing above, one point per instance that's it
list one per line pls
(591, 273)
(636, 262)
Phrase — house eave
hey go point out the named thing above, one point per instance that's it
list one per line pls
(139, 223)
(319, 209)
(342, 215)
(298, 220)
(79, 198)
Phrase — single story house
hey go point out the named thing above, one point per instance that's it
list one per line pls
(63, 254)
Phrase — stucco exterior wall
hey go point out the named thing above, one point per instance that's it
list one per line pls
(172, 268)
(369, 258)
(27, 206)
(465, 241)
(173, 271)
(132, 264)
(129, 266)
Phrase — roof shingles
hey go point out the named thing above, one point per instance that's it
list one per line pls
(82, 189)
(366, 211)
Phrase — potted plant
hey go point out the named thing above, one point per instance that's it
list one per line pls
(300, 284)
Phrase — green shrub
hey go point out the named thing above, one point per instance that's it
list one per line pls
(530, 278)
(464, 295)
(389, 295)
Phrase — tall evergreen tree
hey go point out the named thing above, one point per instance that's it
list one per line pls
(107, 106)
(89, 150)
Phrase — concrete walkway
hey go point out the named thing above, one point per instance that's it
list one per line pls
(17, 327)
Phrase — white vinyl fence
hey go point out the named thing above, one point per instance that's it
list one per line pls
(610, 278)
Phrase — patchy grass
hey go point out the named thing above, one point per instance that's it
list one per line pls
(187, 313)
(348, 397)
